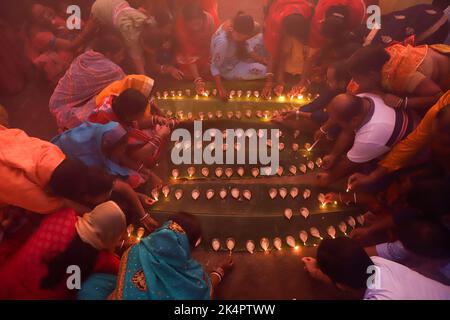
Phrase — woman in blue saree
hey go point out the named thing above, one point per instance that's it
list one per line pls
(159, 267)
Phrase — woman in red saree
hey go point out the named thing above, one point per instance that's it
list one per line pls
(38, 269)
(285, 35)
(194, 30)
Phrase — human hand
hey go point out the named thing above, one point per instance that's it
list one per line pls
(328, 161)
(296, 90)
(360, 234)
(163, 131)
(392, 101)
(200, 86)
(358, 180)
(279, 90)
(323, 179)
(267, 90)
(227, 264)
(175, 73)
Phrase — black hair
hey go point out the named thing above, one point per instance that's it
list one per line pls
(193, 12)
(334, 25)
(368, 59)
(128, 104)
(341, 71)
(73, 180)
(108, 43)
(344, 261)
(296, 26)
(190, 224)
(77, 253)
(353, 107)
(244, 24)
(424, 237)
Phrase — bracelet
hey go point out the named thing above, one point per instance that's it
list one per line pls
(400, 102)
(220, 271)
(323, 131)
(218, 275)
(406, 103)
(144, 217)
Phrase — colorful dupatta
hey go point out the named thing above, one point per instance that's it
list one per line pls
(74, 97)
(404, 61)
(278, 11)
(356, 15)
(161, 267)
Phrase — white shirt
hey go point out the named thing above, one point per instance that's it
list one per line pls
(372, 137)
(397, 282)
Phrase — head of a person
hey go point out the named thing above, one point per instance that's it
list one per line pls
(243, 27)
(165, 23)
(424, 237)
(111, 46)
(441, 137)
(191, 225)
(103, 227)
(346, 110)
(42, 15)
(136, 3)
(77, 182)
(335, 24)
(338, 76)
(345, 262)
(194, 17)
(296, 26)
(365, 66)
(130, 105)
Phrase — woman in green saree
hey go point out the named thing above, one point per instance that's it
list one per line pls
(159, 267)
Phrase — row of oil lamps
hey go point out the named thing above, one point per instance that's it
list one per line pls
(233, 94)
(228, 172)
(219, 114)
(277, 242)
(291, 242)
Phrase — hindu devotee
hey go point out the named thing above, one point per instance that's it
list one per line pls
(224, 150)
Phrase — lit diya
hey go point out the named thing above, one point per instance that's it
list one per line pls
(303, 236)
(268, 171)
(281, 146)
(235, 193)
(210, 194)
(175, 173)
(205, 171)
(321, 197)
(256, 94)
(140, 233)
(290, 241)
(283, 192)
(304, 212)
(293, 169)
(331, 232)
(259, 114)
(280, 171)
(360, 219)
(295, 147)
(130, 229)
(178, 194)
(310, 165)
(315, 232)
(214, 92)
(307, 146)
(201, 115)
(172, 93)
(188, 92)
(232, 94)
(277, 243)
(248, 93)
(319, 162)
(228, 172)
(247, 194)
(250, 246)
(190, 116)
(223, 193)
(210, 115)
(296, 134)
(238, 115)
(215, 244)
(240, 171)
(306, 194)
(191, 171)
(273, 193)
(195, 194)
(294, 192)
(219, 114)
(288, 213)
(239, 93)
(343, 227)
(169, 114)
(264, 243)
(255, 172)
(230, 114)
(218, 172)
(165, 191)
(248, 113)
(165, 94)
(155, 194)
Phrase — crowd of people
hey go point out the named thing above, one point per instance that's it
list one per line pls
(383, 111)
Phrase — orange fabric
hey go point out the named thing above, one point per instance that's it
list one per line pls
(357, 14)
(404, 151)
(26, 166)
(279, 10)
(404, 61)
